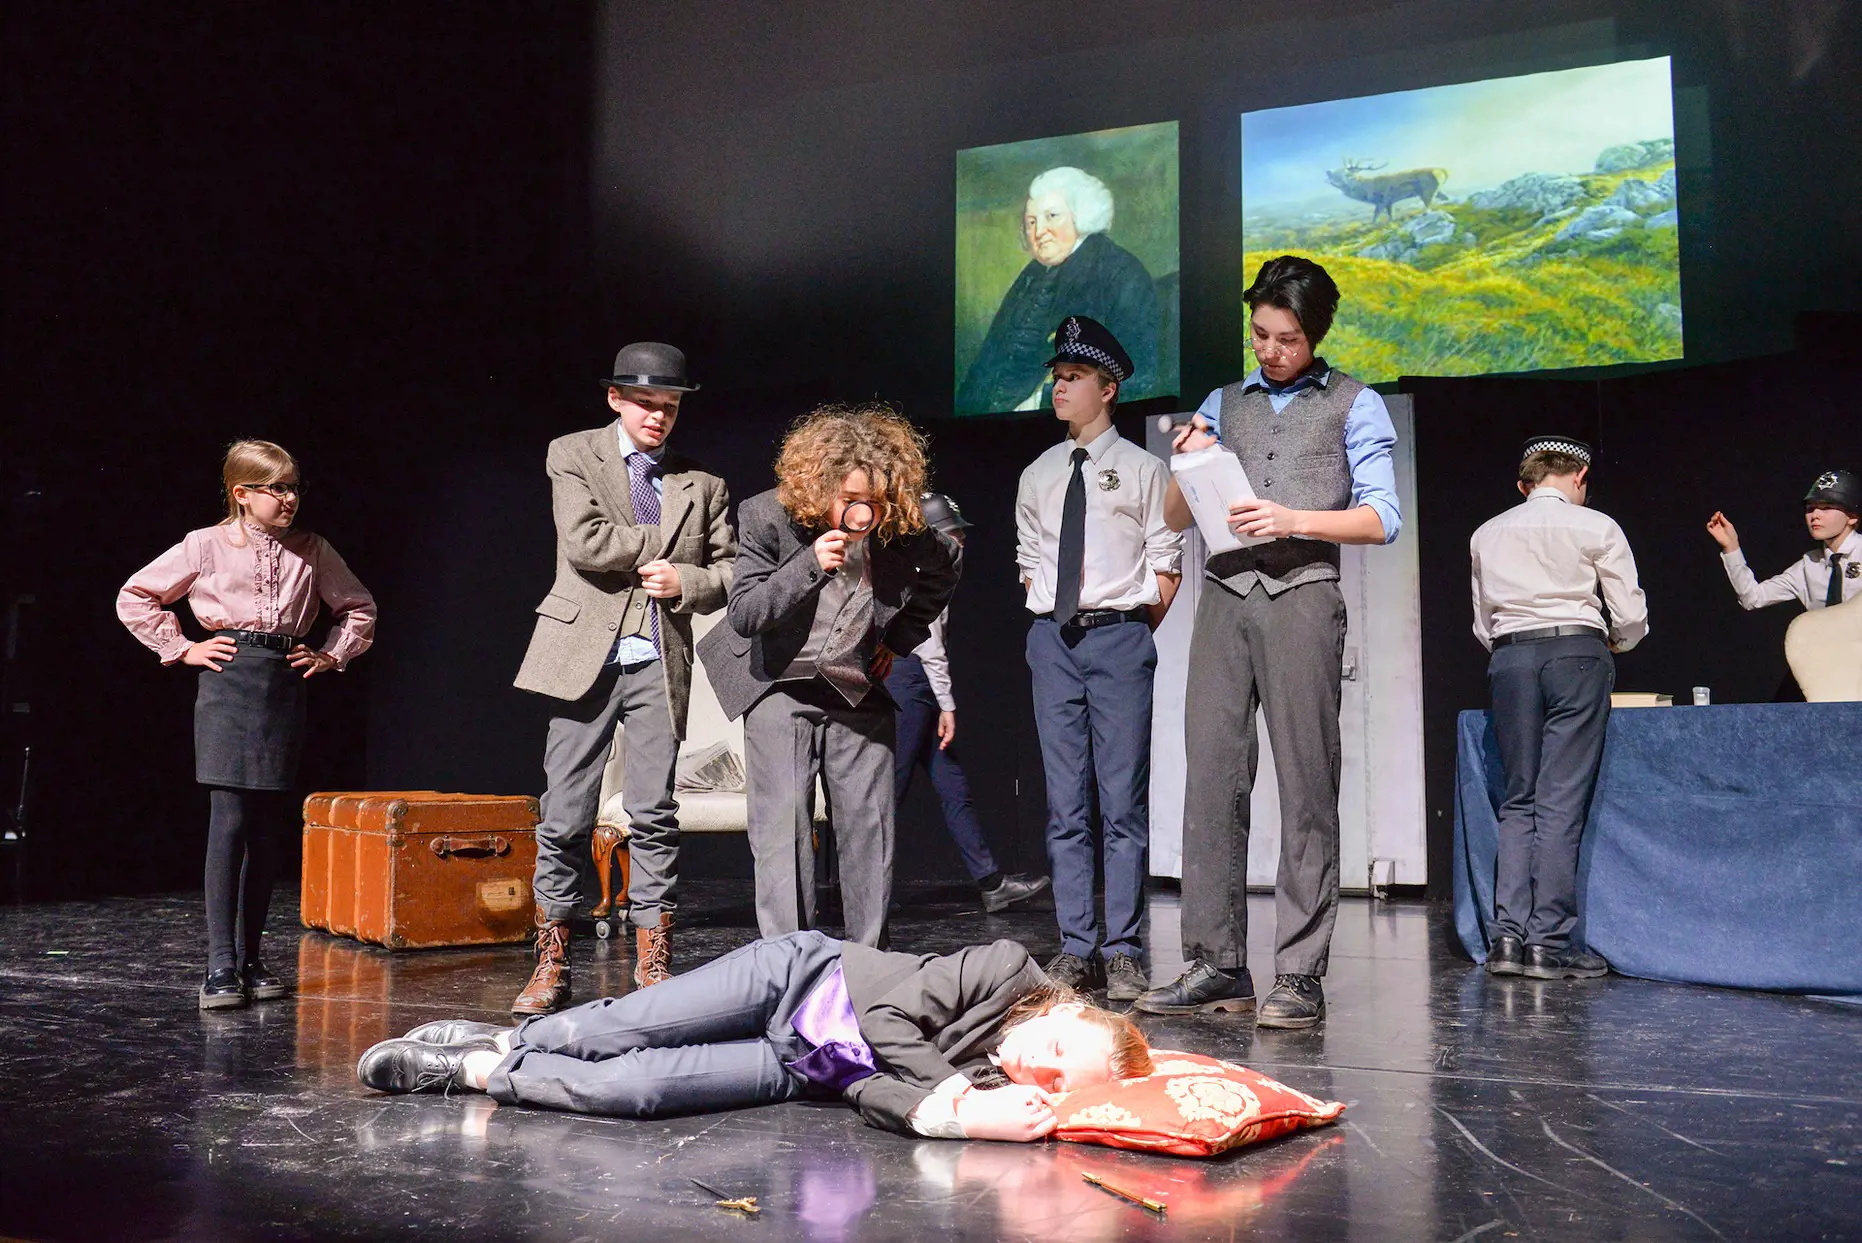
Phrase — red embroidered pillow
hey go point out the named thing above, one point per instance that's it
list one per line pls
(1190, 1105)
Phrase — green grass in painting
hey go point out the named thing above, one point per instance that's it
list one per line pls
(1512, 299)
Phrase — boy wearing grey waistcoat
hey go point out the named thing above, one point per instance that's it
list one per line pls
(1270, 634)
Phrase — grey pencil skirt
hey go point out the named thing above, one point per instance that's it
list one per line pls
(249, 722)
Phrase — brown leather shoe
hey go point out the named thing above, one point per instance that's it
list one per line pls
(548, 990)
(653, 953)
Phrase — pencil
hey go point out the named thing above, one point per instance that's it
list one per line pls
(1155, 1206)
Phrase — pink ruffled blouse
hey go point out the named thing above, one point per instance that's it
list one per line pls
(267, 584)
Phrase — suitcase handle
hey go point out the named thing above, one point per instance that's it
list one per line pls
(444, 846)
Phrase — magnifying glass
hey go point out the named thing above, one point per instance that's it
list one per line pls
(859, 517)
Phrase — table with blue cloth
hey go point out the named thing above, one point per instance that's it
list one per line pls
(1724, 845)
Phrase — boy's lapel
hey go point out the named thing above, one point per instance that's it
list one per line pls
(613, 472)
(675, 506)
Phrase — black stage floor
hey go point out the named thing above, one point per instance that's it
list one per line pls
(1490, 1109)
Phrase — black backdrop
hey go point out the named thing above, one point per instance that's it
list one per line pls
(405, 241)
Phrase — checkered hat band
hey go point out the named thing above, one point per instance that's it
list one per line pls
(1567, 447)
(1093, 354)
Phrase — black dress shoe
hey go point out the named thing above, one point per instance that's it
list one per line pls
(1125, 979)
(1296, 1001)
(454, 1031)
(1071, 971)
(263, 983)
(1012, 889)
(1506, 956)
(1545, 963)
(1203, 989)
(223, 990)
(401, 1066)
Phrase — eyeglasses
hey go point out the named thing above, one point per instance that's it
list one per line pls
(1270, 349)
(279, 491)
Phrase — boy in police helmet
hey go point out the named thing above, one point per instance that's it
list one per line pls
(1828, 574)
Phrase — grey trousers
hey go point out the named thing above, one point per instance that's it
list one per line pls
(793, 733)
(1285, 655)
(580, 736)
(713, 1038)
(1551, 704)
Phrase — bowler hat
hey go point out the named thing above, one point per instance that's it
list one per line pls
(650, 364)
(1841, 488)
(942, 512)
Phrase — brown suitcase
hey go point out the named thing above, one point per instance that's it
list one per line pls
(416, 869)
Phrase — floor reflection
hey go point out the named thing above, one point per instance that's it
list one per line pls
(1041, 1192)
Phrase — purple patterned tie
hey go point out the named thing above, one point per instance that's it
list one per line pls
(640, 472)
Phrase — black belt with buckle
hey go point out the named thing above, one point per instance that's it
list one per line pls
(259, 638)
(1092, 619)
(1551, 632)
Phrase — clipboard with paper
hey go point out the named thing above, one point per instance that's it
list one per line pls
(1211, 480)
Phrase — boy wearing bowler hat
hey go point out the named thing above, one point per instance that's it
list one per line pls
(643, 542)
(1545, 572)
(1100, 566)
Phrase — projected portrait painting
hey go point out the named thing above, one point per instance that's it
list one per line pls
(1515, 224)
(1052, 227)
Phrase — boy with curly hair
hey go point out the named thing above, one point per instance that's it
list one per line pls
(836, 571)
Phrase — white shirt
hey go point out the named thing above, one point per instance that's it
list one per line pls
(935, 1117)
(1127, 543)
(1807, 580)
(936, 660)
(1544, 562)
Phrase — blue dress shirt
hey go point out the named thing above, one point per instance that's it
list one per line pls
(1369, 437)
(636, 649)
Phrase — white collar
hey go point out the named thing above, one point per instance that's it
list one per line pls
(1849, 550)
(1098, 447)
(1546, 489)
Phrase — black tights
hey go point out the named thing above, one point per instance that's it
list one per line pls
(244, 832)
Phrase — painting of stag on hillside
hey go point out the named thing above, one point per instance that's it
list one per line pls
(1516, 224)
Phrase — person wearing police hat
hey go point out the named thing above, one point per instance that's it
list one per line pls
(1100, 566)
(1555, 594)
(1828, 574)
(927, 731)
(643, 542)
(1270, 633)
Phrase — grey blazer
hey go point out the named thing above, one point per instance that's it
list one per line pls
(598, 547)
(778, 580)
(928, 1017)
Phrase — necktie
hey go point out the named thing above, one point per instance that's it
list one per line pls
(640, 472)
(843, 656)
(1072, 543)
(1833, 594)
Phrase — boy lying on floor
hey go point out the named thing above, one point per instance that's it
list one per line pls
(967, 1045)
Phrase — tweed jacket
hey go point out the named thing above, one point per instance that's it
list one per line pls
(598, 548)
(777, 582)
(928, 1017)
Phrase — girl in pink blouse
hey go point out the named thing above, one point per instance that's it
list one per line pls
(256, 584)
